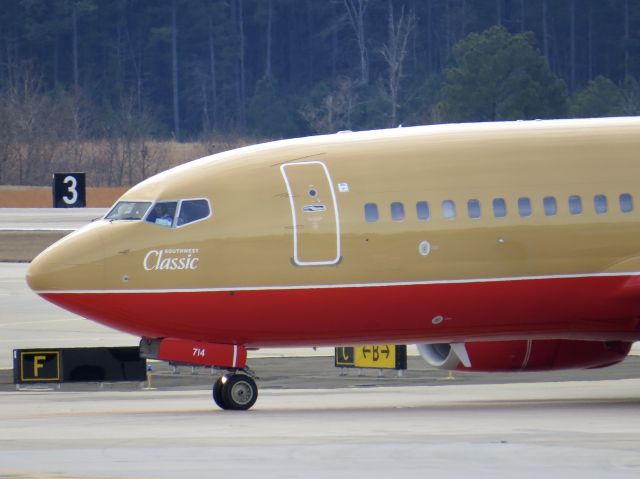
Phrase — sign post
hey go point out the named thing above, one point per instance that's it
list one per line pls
(69, 190)
(60, 365)
(38, 365)
(378, 356)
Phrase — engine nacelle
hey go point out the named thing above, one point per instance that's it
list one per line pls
(524, 355)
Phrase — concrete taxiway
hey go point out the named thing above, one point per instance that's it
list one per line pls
(570, 430)
(47, 219)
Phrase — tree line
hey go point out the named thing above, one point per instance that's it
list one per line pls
(89, 83)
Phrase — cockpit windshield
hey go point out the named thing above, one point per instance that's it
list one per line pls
(163, 213)
(128, 210)
(175, 214)
(192, 211)
(170, 214)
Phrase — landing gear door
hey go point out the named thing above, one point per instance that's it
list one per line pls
(316, 222)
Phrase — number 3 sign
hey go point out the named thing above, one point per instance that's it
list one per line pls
(69, 190)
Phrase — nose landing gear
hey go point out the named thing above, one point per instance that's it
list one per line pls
(236, 392)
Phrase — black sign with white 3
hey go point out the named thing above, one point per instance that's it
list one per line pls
(69, 190)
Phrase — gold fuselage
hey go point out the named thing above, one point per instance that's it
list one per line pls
(248, 241)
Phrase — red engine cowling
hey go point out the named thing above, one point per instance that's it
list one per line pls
(524, 355)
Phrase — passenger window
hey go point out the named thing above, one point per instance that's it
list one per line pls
(600, 204)
(524, 206)
(371, 212)
(626, 203)
(192, 210)
(575, 205)
(397, 211)
(163, 213)
(499, 208)
(422, 210)
(550, 206)
(448, 209)
(474, 208)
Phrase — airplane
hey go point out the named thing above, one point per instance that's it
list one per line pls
(504, 246)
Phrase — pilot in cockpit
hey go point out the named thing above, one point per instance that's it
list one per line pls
(160, 215)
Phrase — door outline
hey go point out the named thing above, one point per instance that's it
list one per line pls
(296, 259)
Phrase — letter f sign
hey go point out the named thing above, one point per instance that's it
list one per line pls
(38, 364)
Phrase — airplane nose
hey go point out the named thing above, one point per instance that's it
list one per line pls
(76, 262)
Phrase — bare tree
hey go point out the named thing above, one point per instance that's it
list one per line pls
(129, 155)
(76, 108)
(626, 38)
(214, 81)
(590, 41)
(35, 126)
(572, 45)
(74, 29)
(78, 9)
(355, 11)
(545, 30)
(174, 70)
(334, 41)
(135, 55)
(269, 25)
(631, 91)
(7, 136)
(394, 52)
(242, 84)
(40, 131)
(206, 119)
(334, 112)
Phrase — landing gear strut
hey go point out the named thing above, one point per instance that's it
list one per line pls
(235, 392)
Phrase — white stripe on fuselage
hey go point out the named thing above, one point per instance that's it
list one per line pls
(343, 285)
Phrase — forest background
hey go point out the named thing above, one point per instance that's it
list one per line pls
(124, 88)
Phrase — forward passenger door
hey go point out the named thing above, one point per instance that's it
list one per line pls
(314, 210)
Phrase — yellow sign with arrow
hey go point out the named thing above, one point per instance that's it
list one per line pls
(376, 356)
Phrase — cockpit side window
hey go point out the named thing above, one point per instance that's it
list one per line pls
(192, 211)
(128, 210)
(175, 214)
(163, 213)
